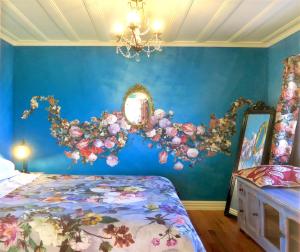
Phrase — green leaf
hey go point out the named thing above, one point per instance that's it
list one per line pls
(13, 249)
(26, 228)
(32, 243)
(108, 219)
(105, 247)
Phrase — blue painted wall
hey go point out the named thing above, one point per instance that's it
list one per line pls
(6, 94)
(276, 54)
(193, 82)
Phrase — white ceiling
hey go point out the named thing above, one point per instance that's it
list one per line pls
(249, 23)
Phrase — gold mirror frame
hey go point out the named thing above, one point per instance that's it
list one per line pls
(139, 88)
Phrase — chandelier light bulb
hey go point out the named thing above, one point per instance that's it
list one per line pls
(118, 29)
(157, 26)
(137, 35)
(133, 18)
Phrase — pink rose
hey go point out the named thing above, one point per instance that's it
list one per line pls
(155, 242)
(164, 123)
(112, 160)
(192, 152)
(109, 144)
(82, 144)
(163, 157)
(184, 139)
(171, 131)
(153, 120)
(159, 114)
(178, 166)
(188, 128)
(179, 220)
(111, 119)
(176, 140)
(113, 129)
(171, 242)
(156, 138)
(279, 127)
(151, 133)
(75, 131)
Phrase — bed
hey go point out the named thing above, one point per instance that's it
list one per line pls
(94, 213)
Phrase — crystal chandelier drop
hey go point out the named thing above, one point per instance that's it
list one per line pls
(138, 36)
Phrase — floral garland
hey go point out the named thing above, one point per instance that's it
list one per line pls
(286, 112)
(104, 136)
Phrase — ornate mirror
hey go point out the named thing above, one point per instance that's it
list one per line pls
(137, 105)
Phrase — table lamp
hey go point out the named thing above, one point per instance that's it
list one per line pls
(22, 152)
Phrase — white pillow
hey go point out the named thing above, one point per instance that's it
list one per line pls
(7, 168)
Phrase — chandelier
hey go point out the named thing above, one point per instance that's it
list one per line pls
(138, 36)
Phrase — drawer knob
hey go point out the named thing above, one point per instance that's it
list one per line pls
(241, 189)
(255, 214)
(241, 210)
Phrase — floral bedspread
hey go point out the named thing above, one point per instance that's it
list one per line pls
(96, 213)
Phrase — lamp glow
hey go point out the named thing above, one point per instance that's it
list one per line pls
(133, 18)
(21, 152)
(118, 29)
(157, 26)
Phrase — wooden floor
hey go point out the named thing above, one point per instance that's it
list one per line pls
(221, 234)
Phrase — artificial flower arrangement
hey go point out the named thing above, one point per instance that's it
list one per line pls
(103, 137)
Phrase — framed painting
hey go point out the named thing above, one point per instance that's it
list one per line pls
(254, 147)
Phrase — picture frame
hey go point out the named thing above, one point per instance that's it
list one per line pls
(253, 148)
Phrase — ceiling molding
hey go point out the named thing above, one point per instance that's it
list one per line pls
(58, 18)
(12, 36)
(286, 30)
(284, 35)
(223, 13)
(164, 44)
(270, 10)
(89, 22)
(23, 20)
(7, 39)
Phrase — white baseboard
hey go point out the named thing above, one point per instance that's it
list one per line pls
(233, 211)
(204, 205)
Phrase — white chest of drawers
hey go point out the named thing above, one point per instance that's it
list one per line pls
(270, 216)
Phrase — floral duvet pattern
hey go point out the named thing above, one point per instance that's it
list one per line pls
(96, 213)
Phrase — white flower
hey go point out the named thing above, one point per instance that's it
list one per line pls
(111, 119)
(98, 143)
(112, 160)
(114, 129)
(92, 157)
(75, 155)
(47, 232)
(176, 140)
(83, 244)
(151, 133)
(124, 125)
(200, 130)
(164, 123)
(192, 152)
(178, 166)
(159, 114)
